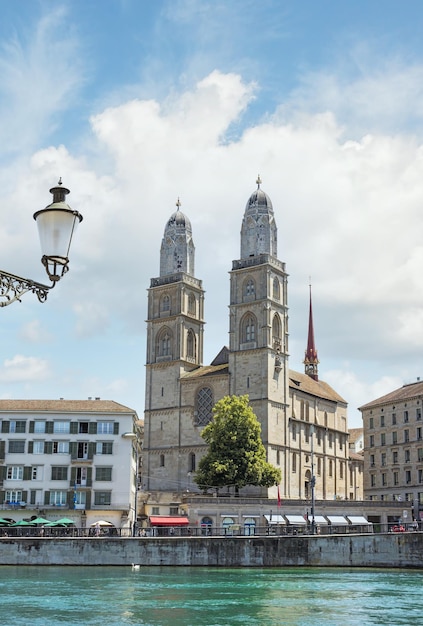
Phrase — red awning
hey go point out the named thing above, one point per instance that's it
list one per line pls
(165, 520)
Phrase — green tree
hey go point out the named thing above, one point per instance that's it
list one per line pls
(236, 454)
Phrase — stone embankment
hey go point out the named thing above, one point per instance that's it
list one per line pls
(403, 550)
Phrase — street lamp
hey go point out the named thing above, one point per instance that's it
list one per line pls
(56, 225)
(134, 438)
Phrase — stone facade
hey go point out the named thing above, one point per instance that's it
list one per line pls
(303, 420)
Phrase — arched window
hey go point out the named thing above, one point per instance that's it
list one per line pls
(190, 344)
(276, 289)
(276, 330)
(249, 288)
(165, 303)
(164, 341)
(191, 304)
(204, 406)
(248, 329)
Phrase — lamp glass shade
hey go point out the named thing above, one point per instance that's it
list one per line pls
(56, 225)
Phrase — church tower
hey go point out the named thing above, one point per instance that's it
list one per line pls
(258, 333)
(311, 361)
(175, 328)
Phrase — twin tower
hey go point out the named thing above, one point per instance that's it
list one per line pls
(180, 390)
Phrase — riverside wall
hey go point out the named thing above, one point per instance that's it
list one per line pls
(402, 550)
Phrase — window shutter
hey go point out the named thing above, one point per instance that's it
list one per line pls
(48, 447)
(2, 450)
(27, 473)
(74, 428)
(5, 426)
(31, 427)
(92, 428)
(73, 449)
(89, 476)
(88, 500)
(91, 449)
(49, 427)
(30, 447)
(24, 496)
(116, 428)
(46, 497)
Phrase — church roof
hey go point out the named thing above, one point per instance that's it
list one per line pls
(318, 388)
(206, 370)
(406, 392)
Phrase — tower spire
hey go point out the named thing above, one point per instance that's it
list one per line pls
(311, 361)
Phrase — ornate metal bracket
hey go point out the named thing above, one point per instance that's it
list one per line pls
(12, 288)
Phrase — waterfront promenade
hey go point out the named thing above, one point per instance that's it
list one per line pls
(402, 550)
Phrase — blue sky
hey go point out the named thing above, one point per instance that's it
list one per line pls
(137, 103)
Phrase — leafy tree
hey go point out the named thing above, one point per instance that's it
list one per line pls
(236, 454)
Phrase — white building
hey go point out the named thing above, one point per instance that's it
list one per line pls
(68, 457)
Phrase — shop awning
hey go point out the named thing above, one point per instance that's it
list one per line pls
(358, 520)
(337, 520)
(297, 520)
(275, 519)
(318, 519)
(166, 520)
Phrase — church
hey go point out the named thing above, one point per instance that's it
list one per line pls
(303, 420)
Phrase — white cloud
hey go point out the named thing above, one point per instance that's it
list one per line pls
(23, 369)
(34, 332)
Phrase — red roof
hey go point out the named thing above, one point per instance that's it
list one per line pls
(166, 520)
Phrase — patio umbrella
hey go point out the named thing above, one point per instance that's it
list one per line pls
(4, 522)
(39, 520)
(66, 521)
(21, 522)
(102, 522)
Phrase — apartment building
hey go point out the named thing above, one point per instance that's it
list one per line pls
(393, 447)
(68, 457)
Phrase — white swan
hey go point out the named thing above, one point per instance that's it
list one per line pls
(135, 567)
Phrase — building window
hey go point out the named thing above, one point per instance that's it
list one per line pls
(372, 460)
(18, 426)
(420, 476)
(405, 417)
(105, 428)
(162, 460)
(61, 427)
(191, 462)
(382, 421)
(395, 456)
(15, 472)
(384, 479)
(419, 433)
(103, 498)
(16, 446)
(173, 510)
(406, 456)
(248, 332)
(383, 459)
(104, 447)
(191, 304)
(103, 474)
(59, 472)
(341, 470)
(394, 419)
(276, 330)
(165, 303)
(418, 414)
(164, 339)
(371, 423)
(408, 476)
(294, 462)
(330, 467)
(319, 466)
(420, 454)
(83, 428)
(372, 480)
(406, 435)
(190, 344)
(38, 447)
(249, 288)
(60, 447)
(155, 510)
(39, 426)
(383, 439)
(58, 497)
(330, 440)
(294, 431)
(80, 498)
(13, 496)
(394, 438)
(396, 478)
(372, 441)
(204, 406)
(276, 289)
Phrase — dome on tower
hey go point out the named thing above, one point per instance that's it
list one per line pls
(177, 251)
(259, 198)
(258, 231)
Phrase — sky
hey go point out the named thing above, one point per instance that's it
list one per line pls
(137, 103)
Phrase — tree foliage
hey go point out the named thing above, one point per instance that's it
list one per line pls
(236, 454)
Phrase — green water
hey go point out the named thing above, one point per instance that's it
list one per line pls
(111, 596)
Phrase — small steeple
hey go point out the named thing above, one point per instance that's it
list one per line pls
(311, 361)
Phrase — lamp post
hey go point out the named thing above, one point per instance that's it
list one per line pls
(313, 482)
(56, 226)
(134, 438)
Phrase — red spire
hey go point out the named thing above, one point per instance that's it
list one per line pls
(310, 360)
